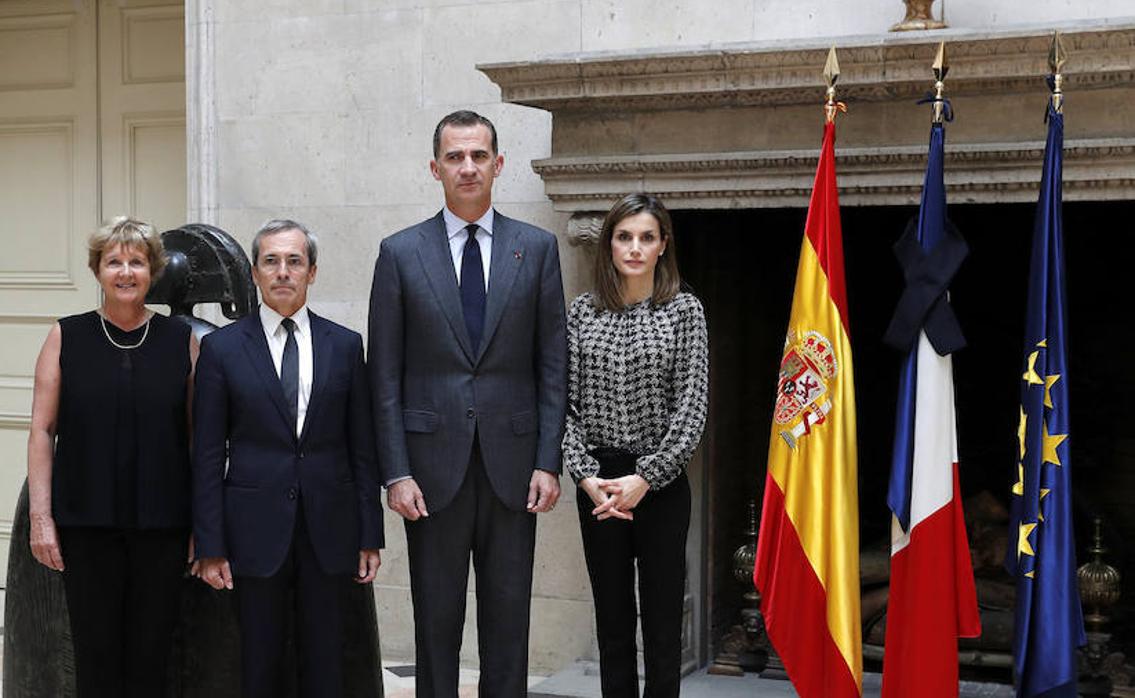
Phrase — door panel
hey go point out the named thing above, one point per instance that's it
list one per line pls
(49, 196)
(142, 97)
(92, 125)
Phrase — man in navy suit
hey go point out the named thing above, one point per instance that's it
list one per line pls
(282, 396)
(468, 356)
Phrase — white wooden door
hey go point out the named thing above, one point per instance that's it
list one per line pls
(142, 110)
(92, 114)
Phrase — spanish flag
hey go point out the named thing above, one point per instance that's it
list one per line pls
(807, 566)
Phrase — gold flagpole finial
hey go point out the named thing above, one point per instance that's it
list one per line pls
(941, 67)
(1056, 60)
(831, 68)
(831, 75)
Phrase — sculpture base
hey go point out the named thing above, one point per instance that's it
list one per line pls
(740, 653)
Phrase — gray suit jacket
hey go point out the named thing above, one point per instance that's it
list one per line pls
(432, 392)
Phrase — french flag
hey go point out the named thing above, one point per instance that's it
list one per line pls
(932, 600)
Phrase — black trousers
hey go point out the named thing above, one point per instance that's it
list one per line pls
(123, 591)
(656, 541)
(262, 609)
(502, 543)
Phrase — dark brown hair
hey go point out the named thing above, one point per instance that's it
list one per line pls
(607, 286)
(463, 117)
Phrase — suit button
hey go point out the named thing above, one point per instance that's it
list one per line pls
(470, 413)
(301, 455)
(291, 493)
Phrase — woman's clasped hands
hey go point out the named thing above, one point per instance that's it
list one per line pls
(617, 497)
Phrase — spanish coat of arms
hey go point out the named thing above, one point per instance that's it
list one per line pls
(809, 364)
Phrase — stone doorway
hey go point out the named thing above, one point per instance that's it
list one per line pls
(742, 264)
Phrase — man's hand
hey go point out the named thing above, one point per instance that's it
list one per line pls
(45, 542)
(215, 572)
(604, 503)
(369, 562)
(543, 491)
(194, 564)
(406, 498)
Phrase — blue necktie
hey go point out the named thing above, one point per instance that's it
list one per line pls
(473, 287)
(290, 370)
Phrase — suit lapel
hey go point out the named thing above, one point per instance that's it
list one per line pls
(321, 360)
(503, 268)
(437, 262)
(256, 346)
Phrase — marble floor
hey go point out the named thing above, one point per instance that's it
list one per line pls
(581, 680)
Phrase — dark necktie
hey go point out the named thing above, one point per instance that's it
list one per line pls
(473, 287)
(290, 370)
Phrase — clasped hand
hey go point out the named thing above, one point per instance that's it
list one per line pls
(615, 498)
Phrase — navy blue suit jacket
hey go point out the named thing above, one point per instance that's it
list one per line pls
(247, 514)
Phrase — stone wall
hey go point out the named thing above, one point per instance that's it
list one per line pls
(323, 110)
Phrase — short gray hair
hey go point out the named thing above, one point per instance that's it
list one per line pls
(279, 225)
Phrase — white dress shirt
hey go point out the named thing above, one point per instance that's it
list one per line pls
(455, 229)
(278, 336)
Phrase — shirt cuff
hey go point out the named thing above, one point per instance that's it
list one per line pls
(397, 479)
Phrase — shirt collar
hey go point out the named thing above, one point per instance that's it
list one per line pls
(271, 320)
(454, 225)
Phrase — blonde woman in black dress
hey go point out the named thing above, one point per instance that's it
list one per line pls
(637, 394)
(108, 468)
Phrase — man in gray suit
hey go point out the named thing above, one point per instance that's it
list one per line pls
(467, 360)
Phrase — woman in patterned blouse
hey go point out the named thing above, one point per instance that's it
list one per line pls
(638, 377)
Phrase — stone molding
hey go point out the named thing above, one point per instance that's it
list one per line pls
(874, 69)
(678, 87)
(1095, 169)
(583, 227)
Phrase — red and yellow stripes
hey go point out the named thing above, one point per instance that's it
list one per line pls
(808, 551)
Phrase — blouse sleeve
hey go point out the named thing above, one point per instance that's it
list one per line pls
(577, 461)
(688, 398)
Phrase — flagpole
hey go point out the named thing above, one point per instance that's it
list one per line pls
(932, 597)
(831, 76)
(1048, 625)
(941, 67)
(807, 559)
(1056, 60)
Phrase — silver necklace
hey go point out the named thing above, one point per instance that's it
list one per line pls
(105, 331)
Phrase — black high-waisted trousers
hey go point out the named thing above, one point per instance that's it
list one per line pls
(656, 541)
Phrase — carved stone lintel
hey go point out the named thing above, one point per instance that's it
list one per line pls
(1094, 169)
(583, 228)
(878, 68)
(676, 122)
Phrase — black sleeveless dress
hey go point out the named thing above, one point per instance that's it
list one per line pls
(122, 435)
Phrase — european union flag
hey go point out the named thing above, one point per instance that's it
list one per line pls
(1041, 553)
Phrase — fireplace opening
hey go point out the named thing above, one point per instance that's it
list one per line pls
(742, 264)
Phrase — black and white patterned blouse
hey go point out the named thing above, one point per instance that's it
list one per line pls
(637, 380)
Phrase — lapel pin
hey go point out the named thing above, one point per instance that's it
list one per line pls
(518, 254)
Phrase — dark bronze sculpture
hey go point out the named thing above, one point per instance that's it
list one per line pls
(205, 266)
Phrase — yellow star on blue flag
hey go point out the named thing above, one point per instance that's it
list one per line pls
(1049, 621)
